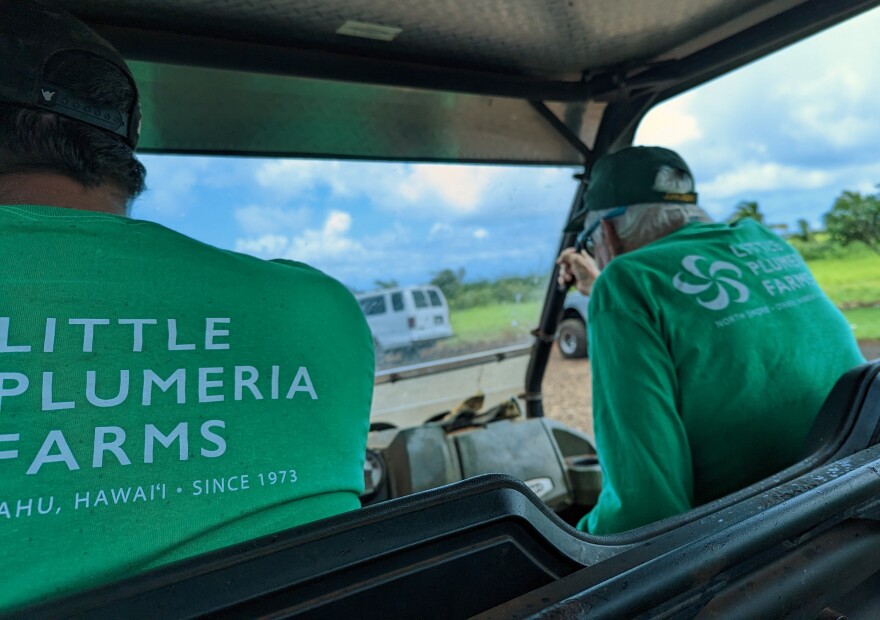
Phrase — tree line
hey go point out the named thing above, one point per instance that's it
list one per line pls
(853, 218)
(461, 295)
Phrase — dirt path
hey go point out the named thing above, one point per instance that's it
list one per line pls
(567, 394)
(870, 349)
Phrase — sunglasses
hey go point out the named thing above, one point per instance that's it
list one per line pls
(585, 238)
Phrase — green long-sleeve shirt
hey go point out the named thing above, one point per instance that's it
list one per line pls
(712, 350)
(160, 398)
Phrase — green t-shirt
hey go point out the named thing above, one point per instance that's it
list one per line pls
(160, 398)
(712, 350)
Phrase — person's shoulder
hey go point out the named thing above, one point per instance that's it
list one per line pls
(285, 271)
(693, 233)
(297, 269)
(211, 256)
(694, 237)
(616, 284)
(625, 279)
(748, 226)
(627, 266)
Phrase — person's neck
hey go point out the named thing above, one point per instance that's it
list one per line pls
(56, 190)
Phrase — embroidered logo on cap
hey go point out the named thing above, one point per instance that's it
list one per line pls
(673, 180)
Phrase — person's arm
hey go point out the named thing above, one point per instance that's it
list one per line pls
(640, 437)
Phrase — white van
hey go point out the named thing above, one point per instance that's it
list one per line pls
(406, 316)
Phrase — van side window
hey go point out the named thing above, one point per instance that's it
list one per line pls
(435, 298)
(419, 298)
(397, 301)
(373, 305)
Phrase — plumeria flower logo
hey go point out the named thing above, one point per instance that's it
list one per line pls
(714, 288)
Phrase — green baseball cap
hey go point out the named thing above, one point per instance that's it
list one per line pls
(635, 175)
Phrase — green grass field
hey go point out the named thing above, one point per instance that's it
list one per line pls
(849, 280)
(849, 276)
(498, 321)
(865, 322)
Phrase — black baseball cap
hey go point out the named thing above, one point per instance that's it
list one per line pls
(31, 33)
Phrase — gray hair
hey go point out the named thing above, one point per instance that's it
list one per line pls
(643, 223)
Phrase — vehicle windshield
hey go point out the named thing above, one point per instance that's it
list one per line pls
(763, 142)
(445, 260)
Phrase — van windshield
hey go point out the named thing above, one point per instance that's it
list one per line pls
(445, 260)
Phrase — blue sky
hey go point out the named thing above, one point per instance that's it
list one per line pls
(791, 131)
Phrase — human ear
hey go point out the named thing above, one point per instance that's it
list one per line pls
(612, 241)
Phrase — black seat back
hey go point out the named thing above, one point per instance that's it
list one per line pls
(458, 550)
(450, 552)
(849, 419)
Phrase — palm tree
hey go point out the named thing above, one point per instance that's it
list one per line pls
(804, 231)
(746, 209)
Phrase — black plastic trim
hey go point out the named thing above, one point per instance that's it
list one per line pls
(635, 582)
(297, 564)
(765, 38)
(185, 49)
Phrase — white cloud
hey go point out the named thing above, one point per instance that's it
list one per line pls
(266, 246)
(439, 229)
(393, 253)
(867, 187)
(843, 81)
(416, 218)
(331, 241)
(833, 106)
(459, 188)
(312, 245)
(256, 220)
(171, 182)
(758, 177)
(296, 176)
(802, 120)
(822, 122)
(420, 190)
(670, 124)
(444, 233)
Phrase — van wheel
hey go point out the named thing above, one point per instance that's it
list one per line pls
(572, 338)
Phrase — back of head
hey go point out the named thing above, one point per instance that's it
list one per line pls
(68, 103)
(653, 186)
(639, 175)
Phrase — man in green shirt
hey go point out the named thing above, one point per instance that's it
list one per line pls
(159, 398)
(711, 346)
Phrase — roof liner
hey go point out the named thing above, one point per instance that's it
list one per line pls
(548, 40)
(630, 53)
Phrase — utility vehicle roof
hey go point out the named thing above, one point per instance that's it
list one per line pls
(443, 80)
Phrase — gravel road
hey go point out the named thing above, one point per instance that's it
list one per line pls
(567, 395)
